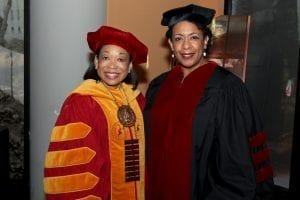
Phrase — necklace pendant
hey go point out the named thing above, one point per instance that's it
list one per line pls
(126, 116)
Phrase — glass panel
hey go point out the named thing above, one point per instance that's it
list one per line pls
(230, 43)
(272, 73)
(12, 83)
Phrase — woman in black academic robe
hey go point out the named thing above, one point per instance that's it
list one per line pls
(204, 137)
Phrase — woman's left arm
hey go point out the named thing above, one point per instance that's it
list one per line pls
(242, 155)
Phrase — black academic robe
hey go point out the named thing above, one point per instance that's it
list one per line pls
(229, 155)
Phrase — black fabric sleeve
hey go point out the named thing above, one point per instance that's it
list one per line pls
(232, 172)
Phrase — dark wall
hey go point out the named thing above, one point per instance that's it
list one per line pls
(4, 158)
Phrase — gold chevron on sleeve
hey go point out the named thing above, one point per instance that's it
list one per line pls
(90, 197)
(70, 157)
(70, 183)
(70, 131)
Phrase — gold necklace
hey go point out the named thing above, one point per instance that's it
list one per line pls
(125, 114)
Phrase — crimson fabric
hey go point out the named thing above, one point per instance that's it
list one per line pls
(73, 111)
(108, 35)
(77, 108)
(224, 137)
(171, 128)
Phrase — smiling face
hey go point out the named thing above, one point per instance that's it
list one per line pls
(188, 44)
(112, 64)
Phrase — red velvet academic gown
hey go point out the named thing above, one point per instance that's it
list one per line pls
(85, 159)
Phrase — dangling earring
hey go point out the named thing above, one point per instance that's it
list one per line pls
(173, 60)
(204, 52)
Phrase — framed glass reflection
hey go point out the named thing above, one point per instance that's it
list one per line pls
(272, 77)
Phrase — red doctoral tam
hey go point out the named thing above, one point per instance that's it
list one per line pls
(106, 35)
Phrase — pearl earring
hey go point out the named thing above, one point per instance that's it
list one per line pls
(173, 60)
